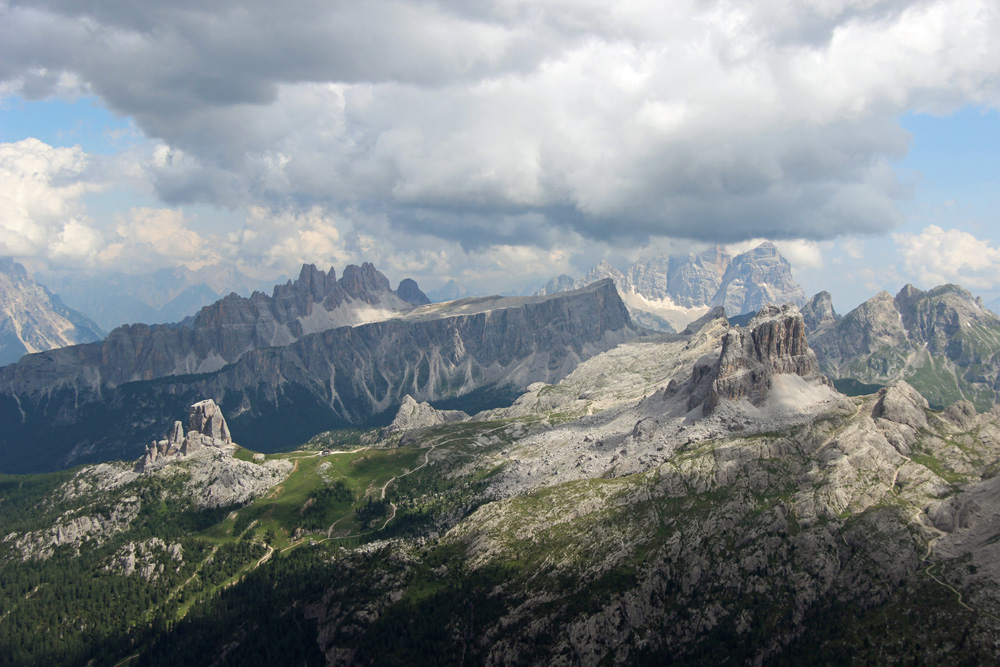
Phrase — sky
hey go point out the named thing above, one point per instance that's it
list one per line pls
(503, 143)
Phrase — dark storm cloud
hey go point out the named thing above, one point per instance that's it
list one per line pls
(516, 122)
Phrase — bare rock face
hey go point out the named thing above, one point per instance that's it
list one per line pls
(773, 343)
(900, 403)
(756, 278)
(206, 418)
(73, 531)
(899, 412)
(207, 428)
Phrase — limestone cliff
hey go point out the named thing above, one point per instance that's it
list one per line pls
(773, 343)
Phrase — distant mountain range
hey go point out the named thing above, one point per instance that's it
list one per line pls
(167, 295)
(32, 319)
(450, 291)
(668, 293)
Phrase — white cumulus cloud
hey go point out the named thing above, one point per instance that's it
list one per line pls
(936, 256)
(42, 212)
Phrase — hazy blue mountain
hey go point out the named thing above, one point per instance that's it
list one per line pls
(450, 291)
(167, 295)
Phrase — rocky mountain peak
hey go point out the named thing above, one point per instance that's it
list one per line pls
(908, 296)
(755, 278)
(694, 279)
(818, 312)
(315, 282)
(32, 319)
(364, 282)
(773, 343)
(207, 428)
(410, 292)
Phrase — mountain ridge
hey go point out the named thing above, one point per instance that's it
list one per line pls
(279, 395)
(943, 341)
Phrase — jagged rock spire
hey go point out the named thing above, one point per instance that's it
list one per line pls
(207, 428)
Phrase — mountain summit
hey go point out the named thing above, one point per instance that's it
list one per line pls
(32, 319)
(668, 293)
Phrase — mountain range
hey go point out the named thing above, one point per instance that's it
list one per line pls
(365, 477)
(702, 497)
(667, 293)
(944, 342)
(319, 353)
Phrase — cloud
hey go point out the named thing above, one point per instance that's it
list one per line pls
(42, 213)
(151, 238)
(286, 239)
(936, 256)
(511, 124)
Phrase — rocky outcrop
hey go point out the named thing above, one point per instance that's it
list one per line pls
(413, 415)
(147, 558)
(206, 428)
(213, 477)
(409, 292)
(74, 531)
(216, 479)
(32, 319)
(773, 343)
